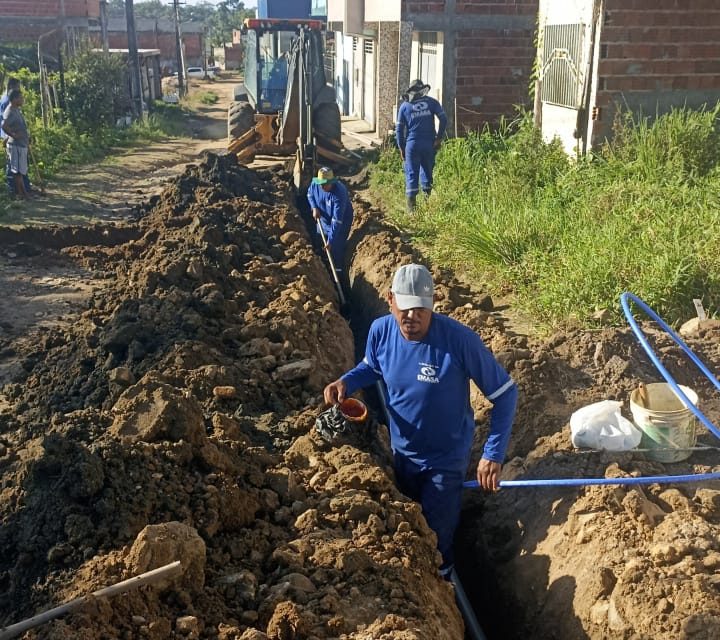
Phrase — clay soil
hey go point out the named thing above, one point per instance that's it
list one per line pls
(160, 377)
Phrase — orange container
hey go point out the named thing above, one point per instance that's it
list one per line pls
(353, 410)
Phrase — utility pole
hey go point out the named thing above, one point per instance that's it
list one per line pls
(178, 50)
(104, 26)
(135, 81)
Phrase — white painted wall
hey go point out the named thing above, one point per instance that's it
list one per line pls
(382, 10)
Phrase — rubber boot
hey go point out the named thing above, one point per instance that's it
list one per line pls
(411, 203)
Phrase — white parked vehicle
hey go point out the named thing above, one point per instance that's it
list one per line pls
(198, 72)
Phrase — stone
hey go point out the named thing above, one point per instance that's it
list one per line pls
(294, 370)
(188, 626)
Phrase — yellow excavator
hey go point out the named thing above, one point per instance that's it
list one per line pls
(285, 106)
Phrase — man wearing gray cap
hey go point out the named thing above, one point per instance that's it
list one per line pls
(426, 361)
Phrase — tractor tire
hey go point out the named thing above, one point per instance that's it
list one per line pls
(241, 118)
(326, 120)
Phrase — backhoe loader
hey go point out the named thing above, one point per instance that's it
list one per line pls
(286, 106)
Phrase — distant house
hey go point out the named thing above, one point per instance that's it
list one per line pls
(159, 34)
(645, 56)
(28, 20)
(477, 57)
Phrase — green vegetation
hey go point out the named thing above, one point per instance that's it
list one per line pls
(219, 17)
(567, 238)
(207, 97)
(86, 129)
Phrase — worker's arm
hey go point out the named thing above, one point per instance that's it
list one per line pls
(400, 130)
(312, 200)
(363, 375)
(442, 120)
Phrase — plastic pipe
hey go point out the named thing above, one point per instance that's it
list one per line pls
(581, 482)
(697, 477)
(472, 626)
(624, 300)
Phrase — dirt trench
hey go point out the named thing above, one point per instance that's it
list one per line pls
(169, 415)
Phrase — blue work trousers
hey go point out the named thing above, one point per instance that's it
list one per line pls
(439, 492)
(419, 164)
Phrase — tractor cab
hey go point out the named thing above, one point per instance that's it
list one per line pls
(268, 44)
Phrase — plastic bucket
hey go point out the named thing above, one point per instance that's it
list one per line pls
(666, 423)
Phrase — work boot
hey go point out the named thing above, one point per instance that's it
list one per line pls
(411, 203)
(427, 192)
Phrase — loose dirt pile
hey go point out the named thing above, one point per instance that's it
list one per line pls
(172, 419)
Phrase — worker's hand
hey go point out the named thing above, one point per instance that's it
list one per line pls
(488, 474)
(334, 393)
(327, 246)
(316, 213)
(437, 143)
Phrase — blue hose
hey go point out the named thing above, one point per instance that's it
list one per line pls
(696, 477)
(581, 482)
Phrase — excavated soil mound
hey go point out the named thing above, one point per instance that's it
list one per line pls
(173, 420)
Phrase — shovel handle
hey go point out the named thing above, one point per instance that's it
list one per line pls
(332, 264)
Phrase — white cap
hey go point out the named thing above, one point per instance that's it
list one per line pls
(413, 287)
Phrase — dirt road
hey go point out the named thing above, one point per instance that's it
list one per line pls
(107, 190)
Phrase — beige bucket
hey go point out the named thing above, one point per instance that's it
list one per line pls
(666, 423)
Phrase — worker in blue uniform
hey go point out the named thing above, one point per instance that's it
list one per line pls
(426, 361)
(331, 207)
(418, 140)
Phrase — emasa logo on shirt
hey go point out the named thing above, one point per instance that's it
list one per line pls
(428, 373)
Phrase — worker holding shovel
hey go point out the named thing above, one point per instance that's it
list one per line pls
(333, 212)
(426, 361)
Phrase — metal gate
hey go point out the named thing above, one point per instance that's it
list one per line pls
(563, 65)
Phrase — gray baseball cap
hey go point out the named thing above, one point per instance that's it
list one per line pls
(413, 287)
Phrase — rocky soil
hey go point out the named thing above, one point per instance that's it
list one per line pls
(167, 414)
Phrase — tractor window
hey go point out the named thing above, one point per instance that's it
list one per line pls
(274, 69)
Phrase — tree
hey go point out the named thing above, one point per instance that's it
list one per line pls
(228, 15)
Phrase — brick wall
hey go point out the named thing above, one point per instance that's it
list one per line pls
(489, 49)
(656, 54)
(49, 8)
(165, 42)
(493, 74)
(27, 20)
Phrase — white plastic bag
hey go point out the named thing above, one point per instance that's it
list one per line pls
(601, 426)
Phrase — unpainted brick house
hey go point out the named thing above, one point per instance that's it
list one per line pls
(159, 34)
(476, 55)
(28, 20)
(598, 56)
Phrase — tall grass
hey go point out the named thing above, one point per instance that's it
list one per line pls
(568, 237)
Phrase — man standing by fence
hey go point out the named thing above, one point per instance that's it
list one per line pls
(13, 124)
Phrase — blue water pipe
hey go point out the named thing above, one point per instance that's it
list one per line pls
(625, 299)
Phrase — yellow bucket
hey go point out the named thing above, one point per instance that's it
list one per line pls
(667, 425)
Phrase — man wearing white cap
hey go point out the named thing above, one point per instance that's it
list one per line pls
(426, 361)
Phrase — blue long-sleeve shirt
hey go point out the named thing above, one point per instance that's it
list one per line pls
(336, 212)
(416, 121)
(428, 391)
